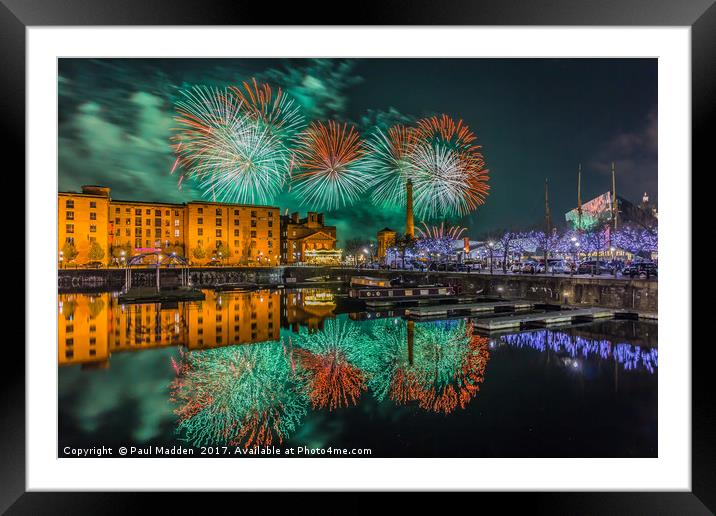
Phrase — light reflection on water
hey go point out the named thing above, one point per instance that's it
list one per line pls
(271, 367)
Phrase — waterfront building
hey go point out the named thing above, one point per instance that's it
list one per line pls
(385, 239)
(93, 227)
(83, 223)
(308, 240)
(600, 210)
(135, 225)
(648, 206)
(235, 234)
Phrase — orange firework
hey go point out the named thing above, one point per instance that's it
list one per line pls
(278, 112)
(256, 430)
(330, 163)
(445, 129)
(334, 382)
(401, 139)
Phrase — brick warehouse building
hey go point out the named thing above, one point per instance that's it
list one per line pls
(204, 232)
(308, 240)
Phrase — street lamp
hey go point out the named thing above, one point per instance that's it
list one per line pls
(62, 257)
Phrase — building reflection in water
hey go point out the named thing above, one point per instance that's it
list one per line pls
(93, 326)
(307, 307)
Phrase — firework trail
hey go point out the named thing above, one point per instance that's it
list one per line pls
(441, 231)
(330, 166)
(439, 156)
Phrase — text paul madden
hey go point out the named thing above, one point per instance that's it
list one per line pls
(130, 451)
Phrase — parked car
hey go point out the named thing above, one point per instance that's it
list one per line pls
(594, 267)
(92, 265)
(554, 266)
(638, 269)
(529, 267)
(515, 267)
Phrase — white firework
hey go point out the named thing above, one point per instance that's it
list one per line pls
(389, 166)
(440, 179)
(233, 157)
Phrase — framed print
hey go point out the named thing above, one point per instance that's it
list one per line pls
(417, 250)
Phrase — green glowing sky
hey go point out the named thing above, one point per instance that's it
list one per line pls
(536, 119)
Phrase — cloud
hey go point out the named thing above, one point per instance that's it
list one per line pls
(133, 156)
(635, 157)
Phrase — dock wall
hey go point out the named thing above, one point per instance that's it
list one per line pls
(604, 291)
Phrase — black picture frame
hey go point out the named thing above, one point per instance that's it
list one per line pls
(700, 15)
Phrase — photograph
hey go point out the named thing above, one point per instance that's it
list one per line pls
(358, 257)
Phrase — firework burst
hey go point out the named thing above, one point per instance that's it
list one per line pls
(330, 166)
(231, 156)
(441, 232)
(450, 177)
(389, 165)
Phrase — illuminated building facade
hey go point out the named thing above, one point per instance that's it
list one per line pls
(137, 225)
(237, 234)
(204, 232)
(385, 238)
(308, 240)
(82, 221)
(600, 210)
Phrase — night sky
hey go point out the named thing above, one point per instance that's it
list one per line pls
(535, 118)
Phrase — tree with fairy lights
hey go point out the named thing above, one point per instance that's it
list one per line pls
(549, 243)
(595, 240)
(507, 243)
(637, 240)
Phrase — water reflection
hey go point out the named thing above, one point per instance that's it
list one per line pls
(238, 395)
(257, 395)
(92, 327)
(438, 365)
(328, 359)
(630, 356)
(239, 379)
